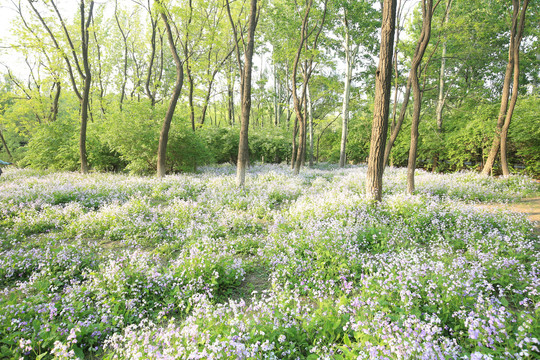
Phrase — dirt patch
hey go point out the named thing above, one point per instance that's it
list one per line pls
(530, 207)
(256, 280)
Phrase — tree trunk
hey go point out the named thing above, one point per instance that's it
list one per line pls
(417, 105)
(383, 82)
(310, 117)
(5, 145)
(190, 95)
(124, 38)
(87, 82)
(56, 99)
(441, 98)
(346, 94)
(505, 112)
(427, 15)
(246, 71)
(164, 135)
(515, 87)
(294, 146)
(397, 126)
(345, 123)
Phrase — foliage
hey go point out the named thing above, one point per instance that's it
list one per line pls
(111, 266)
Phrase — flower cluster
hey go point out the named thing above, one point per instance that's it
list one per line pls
(288, 267)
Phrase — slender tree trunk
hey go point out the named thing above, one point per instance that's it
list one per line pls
(5, 145)
(346, 93)
(310, 117)
(124, 38)
(427, 15)
(397, 126)
(164, 135)
(149, 93)
(191, 87)
(294, 146)
(417, 105)
(345, 123)
(383, 82)
(505, 111)
(277, 109)
(515, 87)
(56, 99)
(441, 98)
(246, 71)
(87, 82)
(297, 101)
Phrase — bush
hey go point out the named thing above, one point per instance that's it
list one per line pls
(54, 146)
(134, 135)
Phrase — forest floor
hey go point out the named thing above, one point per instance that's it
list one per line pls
(530, 207)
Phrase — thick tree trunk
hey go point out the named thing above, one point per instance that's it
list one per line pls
(164, 135)
(383, 82)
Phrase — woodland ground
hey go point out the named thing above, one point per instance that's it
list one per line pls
(290, 267)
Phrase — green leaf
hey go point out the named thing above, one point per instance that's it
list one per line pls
(78, 351)
(346, 340)
(41, 356)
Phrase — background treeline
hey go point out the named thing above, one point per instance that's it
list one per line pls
(131, 74)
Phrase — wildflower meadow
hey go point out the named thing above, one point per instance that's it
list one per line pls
(112, 266)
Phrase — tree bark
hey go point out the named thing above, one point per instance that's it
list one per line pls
(427, 15)
(164, 135)
(310, 117)
(5, 144)
(124, 38)
(345, 123)
(397, 126)
(246, 70)
(383, 82)
(346, 93)
(506, 111)
(308, 68)
(87, 82)
(441, 98)
(56, 99)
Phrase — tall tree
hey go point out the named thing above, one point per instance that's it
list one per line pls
(245, 83)
(164, 134)
(309, 39)
(382, 103)
(441, 99)
(84, 71)
(507, 109)
(356, 30)
(423, 41)
(85, 39)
